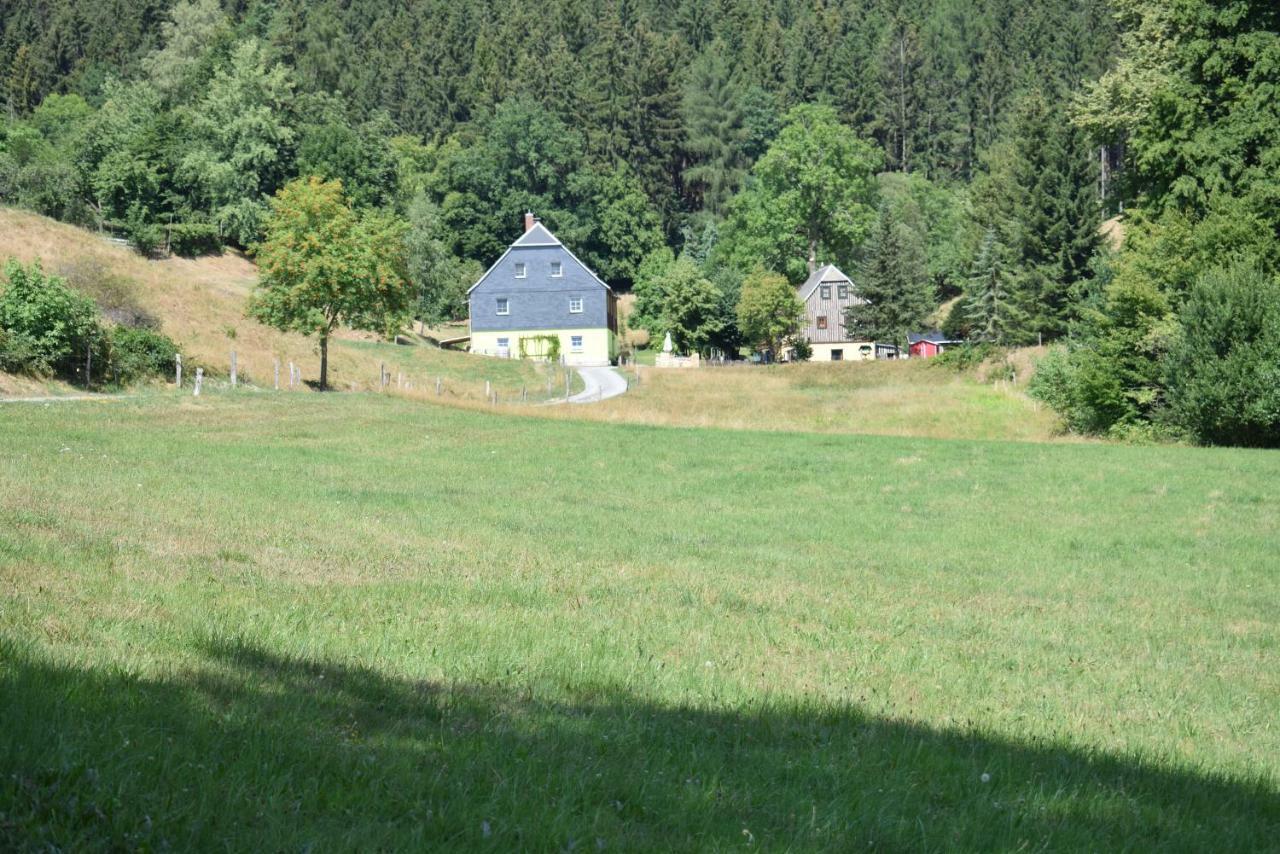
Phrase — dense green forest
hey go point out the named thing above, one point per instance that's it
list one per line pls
(940, 149)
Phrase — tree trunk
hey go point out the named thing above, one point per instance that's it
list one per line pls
(813, 255)
(324, 361)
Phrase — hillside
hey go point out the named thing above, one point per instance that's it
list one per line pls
(200, 303)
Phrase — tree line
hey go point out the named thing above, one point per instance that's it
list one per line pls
(956, 157)
(633, 128)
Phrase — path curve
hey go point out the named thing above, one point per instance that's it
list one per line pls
(600, 384)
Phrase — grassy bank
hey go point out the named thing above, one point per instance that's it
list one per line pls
(899, 398)
(348, 621)
(201, 303)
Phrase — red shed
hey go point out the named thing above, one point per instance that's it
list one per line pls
(928, 344)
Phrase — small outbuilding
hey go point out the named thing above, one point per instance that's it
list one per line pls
(925, 345)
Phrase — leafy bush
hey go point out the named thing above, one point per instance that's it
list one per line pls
(18, 354)
(138, 354)
(801, 350)
(1223, 374)
(1084, 388)
(48, 325)
(194, 238)
(144, 236)
(965, 357)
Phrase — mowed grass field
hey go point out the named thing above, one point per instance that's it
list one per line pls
(339, 622)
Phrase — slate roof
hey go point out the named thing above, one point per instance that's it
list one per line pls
(933, 337)
(539, 237)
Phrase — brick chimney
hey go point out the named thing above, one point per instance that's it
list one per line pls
(529, 220)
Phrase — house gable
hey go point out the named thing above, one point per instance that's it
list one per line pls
(824, 305)
(539, 284)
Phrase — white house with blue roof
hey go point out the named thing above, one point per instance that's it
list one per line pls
(539, 301)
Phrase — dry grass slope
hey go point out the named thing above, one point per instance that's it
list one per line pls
(200, 303)
(911, 398)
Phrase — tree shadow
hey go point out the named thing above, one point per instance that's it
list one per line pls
(255, 750)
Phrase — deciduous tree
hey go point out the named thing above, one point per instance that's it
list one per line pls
(322, 265)
(768, 310)
(811, 193)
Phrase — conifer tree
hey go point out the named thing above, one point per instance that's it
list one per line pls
(893, 285)
(716, 138)
(901, 96)
(989, 308)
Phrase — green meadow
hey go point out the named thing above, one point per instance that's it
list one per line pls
(340, 622)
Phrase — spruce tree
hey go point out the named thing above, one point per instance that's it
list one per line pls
(716, 139)
(989, 308)
(893, 285)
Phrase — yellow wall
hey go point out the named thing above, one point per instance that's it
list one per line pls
(599, 346)
(853, 351)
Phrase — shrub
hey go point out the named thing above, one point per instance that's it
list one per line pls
(1223, 374)
(801, 350)
(1084, 388)
(138, 354)
(189, 239)
(966, 357)
(48, 325)
(18, 354)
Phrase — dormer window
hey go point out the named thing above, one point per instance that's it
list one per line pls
(520, 270)
(826, 292)
(842, 291)
(557, 269)
(504, 305)
(575, 305)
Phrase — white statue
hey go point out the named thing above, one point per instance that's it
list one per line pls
(666, 343)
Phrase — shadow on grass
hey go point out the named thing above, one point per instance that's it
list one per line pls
(258, 751)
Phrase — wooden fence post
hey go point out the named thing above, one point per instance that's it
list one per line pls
(233, 368)
(291, 369)
(178, 369)
(488, 390)
(439, 387)
(277, 368)
(88, 363)
(199, 381)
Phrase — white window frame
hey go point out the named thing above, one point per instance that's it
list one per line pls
(504, 306)
(504, 344)
(522, 270)
(575, 305)
(824, 291)
(575, 343)
(557, 269)
(842, 291)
